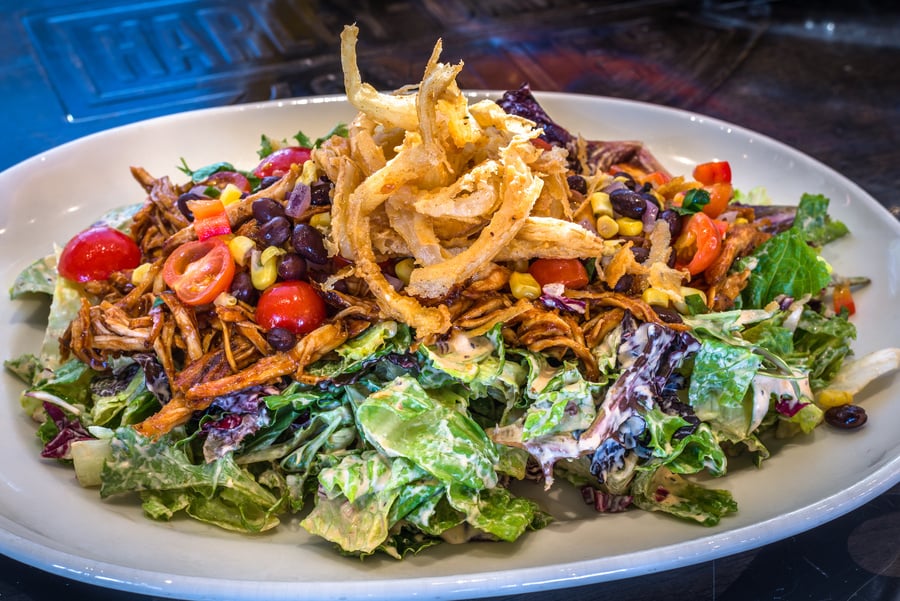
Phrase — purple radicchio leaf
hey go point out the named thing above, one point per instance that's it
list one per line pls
(553, 297)
(69, 431)
(788, 405)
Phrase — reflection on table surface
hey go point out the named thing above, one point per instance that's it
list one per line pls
(823, 77)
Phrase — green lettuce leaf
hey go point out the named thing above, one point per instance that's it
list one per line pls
(39, 277)
(656, 488)
(218, 492)
(813, 221)
(561, 399)
(821, 344)
(403, 420)
(719, 382)
(784, 264)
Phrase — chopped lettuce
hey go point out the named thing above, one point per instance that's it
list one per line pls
(219, 492)
(658, 489)
(719, 382)
(784, 264)
(814, 222)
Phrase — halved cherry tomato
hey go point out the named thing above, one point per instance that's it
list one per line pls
(292, 305)
(699, 244)
(96, 253)
(843, 299)
(279, 162)
(719, 196)
(210, 218)
(199, 271)
(220, 179)
(714, 172)
(568, 272)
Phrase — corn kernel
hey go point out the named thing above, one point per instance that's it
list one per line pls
(320, 221)
(240, 247)
(309, 174)
(403, 269)
(607, 226)
(834, 398)
(523, 285)
(630, 227)
(655, 296)
(740, 221)
(230, 194)
(263, 273)
(140, 273)
(271, 253)
(600, 204)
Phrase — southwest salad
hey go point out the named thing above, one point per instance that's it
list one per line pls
(381, 329)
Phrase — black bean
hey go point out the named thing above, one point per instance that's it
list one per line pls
(674, 221)
(308, 243)
(627, 203)
(624, 283)
(321, 191)
(182, 204)
(640, 253)
(281, 339)
(275, 231)
(267, 181)
(242, 288)
(846, 416)
(577, 183)
(291, 266)
(667, 315)
(265, 209)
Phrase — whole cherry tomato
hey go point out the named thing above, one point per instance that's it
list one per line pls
(699, 244)
(714, 172)
(199, 271)
(279, 162)
(96, 253)
(568, 272)
(292, 305)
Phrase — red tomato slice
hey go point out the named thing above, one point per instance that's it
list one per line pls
(292, 305)
(279, 162)
(568, 272)
(96, 253)
(843, 299)
(698, 245)
(714, 172)
(719, 196)
(210, 218)
(199, 271)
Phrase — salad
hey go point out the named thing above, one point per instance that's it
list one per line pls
(381, 330)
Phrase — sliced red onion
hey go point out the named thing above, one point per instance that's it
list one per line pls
(650, 215)
(298, 201)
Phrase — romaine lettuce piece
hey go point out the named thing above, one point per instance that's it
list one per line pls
(656, 488)
(403, 420)
(219, 492)
(719, 382)
(785, 264)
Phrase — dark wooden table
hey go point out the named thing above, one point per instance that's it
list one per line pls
(823, 77)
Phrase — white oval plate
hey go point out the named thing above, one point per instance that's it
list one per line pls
(48, 521)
